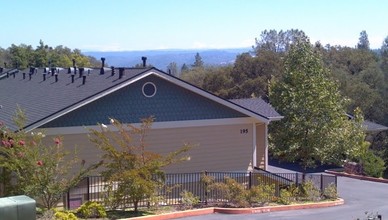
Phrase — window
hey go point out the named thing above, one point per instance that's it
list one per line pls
(149, 89)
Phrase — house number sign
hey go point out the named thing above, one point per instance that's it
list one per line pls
(244, 131)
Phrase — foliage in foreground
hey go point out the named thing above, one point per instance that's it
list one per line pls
(30, 167)
(128, 162)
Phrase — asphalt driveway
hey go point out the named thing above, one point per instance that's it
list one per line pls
(360, 196)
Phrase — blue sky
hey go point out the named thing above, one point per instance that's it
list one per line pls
(185, 24)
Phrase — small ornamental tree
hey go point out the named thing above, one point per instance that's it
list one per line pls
(29, 167)
(132, 172)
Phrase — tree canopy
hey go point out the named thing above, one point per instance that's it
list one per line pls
(43, 55)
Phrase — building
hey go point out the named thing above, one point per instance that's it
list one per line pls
(227, 135)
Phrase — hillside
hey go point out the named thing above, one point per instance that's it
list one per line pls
(161, 58)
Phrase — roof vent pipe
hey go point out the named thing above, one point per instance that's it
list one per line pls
(24, 75)
(5, 64)
(30, 76)
(7, 75)
(113, 70)
(81, 71)
(1, 69)
(121, 73)
(102, 71)
(14, 74)
(56, 77)
(74, 66)
(44, 77)
(144, 61)
(83, 80)
(72, 78)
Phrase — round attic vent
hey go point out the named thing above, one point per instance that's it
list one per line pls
(149, 89)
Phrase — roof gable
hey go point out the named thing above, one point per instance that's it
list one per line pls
(170, 103)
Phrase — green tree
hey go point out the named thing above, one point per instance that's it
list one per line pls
(41, 54)
(195, 76)
(173, 69)
(128, 162)
(363, 41)
(184, 68)
(278, 42)
(30, 167)
(315, 128)
(198, 63)
(384, 57)
(20, 56)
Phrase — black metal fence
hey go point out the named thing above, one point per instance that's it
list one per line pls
(93, 188)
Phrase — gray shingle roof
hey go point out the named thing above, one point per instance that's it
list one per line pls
(42, 98)
(369, 125)
(374, 127)
(258, 105)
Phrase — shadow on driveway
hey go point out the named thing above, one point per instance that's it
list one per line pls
(279, 167)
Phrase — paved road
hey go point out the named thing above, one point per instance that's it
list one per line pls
(359, 195)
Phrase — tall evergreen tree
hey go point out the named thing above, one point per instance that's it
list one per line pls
(198, 63)
(363, 41)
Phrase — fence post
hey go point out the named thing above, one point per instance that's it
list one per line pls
(322, 183)
(68, 199)
(250, 180)
(205, 183)
(88, 188)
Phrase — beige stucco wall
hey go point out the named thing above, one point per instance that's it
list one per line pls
(214, 148)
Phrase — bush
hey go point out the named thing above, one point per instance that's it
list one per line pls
(330, 192)
(189, 200)
(262, 194)
(234, 193)
(373, 165)
(309, 192)
(91, 210)
(285, 197)
(64, 215)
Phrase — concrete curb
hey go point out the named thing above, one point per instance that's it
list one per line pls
(256, 210)
(368, 178)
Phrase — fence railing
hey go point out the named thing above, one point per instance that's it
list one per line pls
(94, 188)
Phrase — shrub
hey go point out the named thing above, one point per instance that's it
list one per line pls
(189, 200)
(92, 210)
(309, 192)
(234, 193)
(330, 192)
(262, 194)
(285, 197)
(289, 194)
(64, 215)
(373, 165)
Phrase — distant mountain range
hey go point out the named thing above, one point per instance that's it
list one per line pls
(162, 58)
